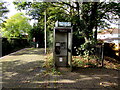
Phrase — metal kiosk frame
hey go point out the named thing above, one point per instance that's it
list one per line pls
(62, 46)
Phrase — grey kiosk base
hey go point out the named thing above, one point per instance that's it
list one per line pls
(62, 45)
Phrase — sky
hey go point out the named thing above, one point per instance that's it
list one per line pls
(13, 11)
(11, 7)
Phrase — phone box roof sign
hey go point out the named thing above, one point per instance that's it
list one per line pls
(63, 24)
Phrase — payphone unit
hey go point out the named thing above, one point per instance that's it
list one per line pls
(62, 45)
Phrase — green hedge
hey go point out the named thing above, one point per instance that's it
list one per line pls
(12, 45)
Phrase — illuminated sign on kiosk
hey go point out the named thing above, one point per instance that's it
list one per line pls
(63, 24)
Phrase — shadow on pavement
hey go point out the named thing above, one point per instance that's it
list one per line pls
(16, 74)
(30, 51)
(30, 75)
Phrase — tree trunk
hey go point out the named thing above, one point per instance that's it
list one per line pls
(95, 33)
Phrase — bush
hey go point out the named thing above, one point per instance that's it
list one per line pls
(6, 47)
(81, 61)
(12, 45)
(109, 50)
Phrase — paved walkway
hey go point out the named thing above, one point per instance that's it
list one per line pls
(23, 70)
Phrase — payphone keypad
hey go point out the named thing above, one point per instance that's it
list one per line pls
(57, 48)
(63, 45)
(60, 47)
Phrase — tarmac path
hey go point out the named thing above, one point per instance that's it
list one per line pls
(23, 70)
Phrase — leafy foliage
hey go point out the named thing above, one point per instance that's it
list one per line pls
(15, 26)
(37, 33)
(84, 16)
(3, 9)
(12, 45)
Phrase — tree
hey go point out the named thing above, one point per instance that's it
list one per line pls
(16, 25)
(37, 33)
(84, 16)
(3, 11)
(36, 11)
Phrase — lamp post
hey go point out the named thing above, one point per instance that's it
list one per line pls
(0, 45)
(45, 31)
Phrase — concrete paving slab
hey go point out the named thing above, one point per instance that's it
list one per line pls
(23, 70)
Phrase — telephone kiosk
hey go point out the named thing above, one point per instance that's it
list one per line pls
(62, 45)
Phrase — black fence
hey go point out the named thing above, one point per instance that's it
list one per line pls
(99, 52)
(106, 49)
